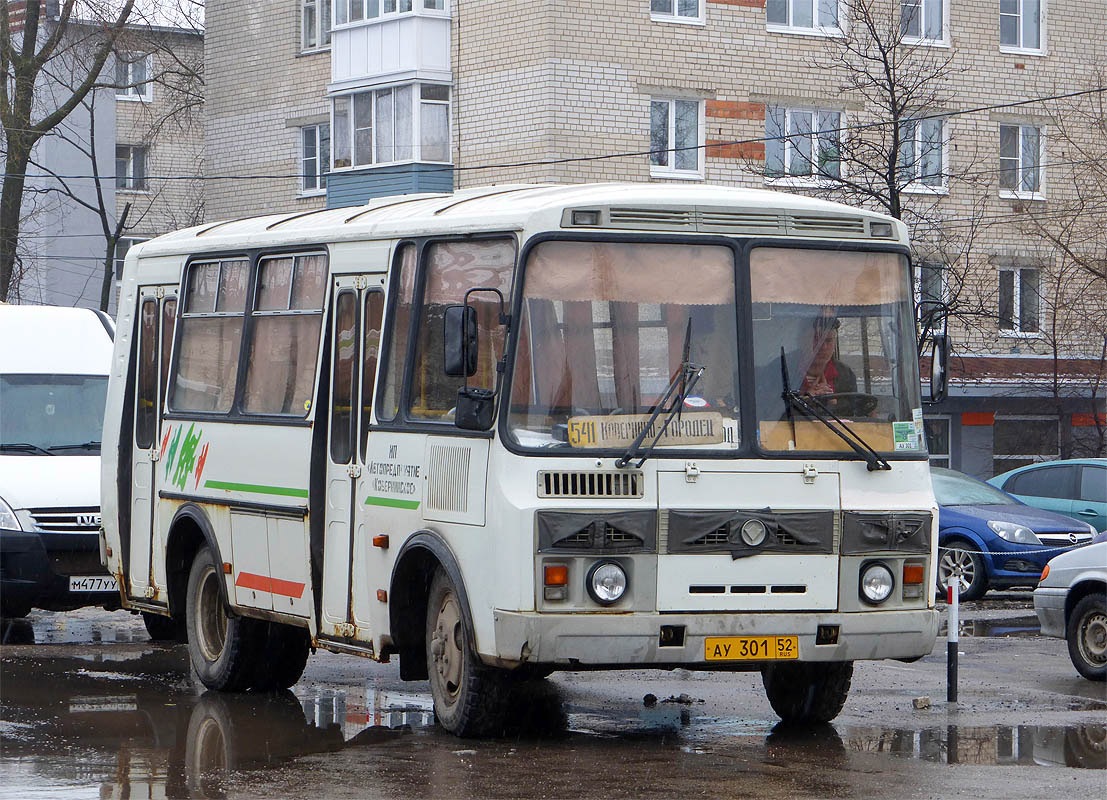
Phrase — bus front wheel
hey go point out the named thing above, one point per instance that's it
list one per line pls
(809, 691)
(220, 645)
(469, 697)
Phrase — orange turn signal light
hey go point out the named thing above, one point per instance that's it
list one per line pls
(227, 568)
(1044, 573)
(381, 541)
(557, 575)
(912, 573)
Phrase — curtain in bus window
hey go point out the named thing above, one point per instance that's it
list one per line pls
(404, 274)
(284, 347)
(452, 269)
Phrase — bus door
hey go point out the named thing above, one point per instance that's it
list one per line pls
(356, 332)
(156, 318)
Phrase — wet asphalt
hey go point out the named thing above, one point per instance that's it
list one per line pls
(89, 707)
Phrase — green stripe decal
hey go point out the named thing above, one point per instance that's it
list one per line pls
(283, 491)
(391, 502)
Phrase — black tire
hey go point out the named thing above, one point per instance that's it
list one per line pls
(807, 691)
(283, 655)
(960, 553)
(222, 646)
(162, 628)
(470, 699)
(1086, 634)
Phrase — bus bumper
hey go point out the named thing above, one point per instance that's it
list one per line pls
(629, 640)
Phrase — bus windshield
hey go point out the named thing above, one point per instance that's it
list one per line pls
(836, 327)
(607, 328)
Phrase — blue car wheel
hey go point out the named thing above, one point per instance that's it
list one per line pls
(957, 556)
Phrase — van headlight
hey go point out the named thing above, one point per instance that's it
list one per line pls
(877, 582)
(1013, 532)
(606, 582)
(8, 519)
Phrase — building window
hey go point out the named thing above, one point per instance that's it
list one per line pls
(1019, 300)
(1020, 159)
(937, 440)
(1020, 24)
(922, 153)
(358, 10)
(315, 157)
(130, 167)
(676, 138)
(1018, 441)
(316, 31)
(802, 143)
(923, 21)
(384, 126)
(122, 246)
(133, 76)
(930, 288)
(804, 16)
(676, 10)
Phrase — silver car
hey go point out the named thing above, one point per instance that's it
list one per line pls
(1071, 603)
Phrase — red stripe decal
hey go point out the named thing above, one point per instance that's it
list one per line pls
(261, 583)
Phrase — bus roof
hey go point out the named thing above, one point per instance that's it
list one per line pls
(657, 207)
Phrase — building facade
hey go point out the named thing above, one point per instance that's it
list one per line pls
(979, 149)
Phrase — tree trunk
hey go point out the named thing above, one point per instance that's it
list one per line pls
(11, 206)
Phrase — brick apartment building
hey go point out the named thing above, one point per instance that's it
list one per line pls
(339, 101)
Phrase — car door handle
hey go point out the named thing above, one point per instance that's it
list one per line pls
(1087, 512)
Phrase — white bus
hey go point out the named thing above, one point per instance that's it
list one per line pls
(520, 429)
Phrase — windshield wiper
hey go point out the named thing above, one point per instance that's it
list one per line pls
(685, 380)
(85, 446)
(810, 405)
(24, 447)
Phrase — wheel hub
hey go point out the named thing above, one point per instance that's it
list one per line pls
(1095, 638)
(959, 563)
(445, 646)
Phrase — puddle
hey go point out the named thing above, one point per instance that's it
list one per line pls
(995, 628)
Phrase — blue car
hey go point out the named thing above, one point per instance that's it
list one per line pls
(991, 539)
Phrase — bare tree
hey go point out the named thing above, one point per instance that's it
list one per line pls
(47, 67)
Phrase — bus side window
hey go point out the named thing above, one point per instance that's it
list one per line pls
(345, 377)
(404, 275)
(370, 349)
(168, 324)
(147, 375)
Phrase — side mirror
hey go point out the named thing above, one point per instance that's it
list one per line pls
(460, 341)
(939, 367)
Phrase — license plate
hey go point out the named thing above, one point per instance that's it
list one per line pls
(750, 648)
(93, 583)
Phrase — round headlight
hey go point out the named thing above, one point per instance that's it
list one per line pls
(754, 532)
(876, 583)
(606, 582)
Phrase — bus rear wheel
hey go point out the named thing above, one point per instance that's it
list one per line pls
(810, 691)
(282, 657)
(220, 645)
(469, 697)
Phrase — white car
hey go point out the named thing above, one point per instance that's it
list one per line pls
(1071, 603)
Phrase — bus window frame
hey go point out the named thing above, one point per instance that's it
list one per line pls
(235, 414)
(403, 421)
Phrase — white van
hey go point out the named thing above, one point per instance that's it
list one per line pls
(54, 366)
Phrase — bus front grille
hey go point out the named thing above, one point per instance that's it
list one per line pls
(573, 484)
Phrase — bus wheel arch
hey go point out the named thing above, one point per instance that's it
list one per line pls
(408, 594)
(189, 531)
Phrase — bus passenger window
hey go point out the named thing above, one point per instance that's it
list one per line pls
(284, 346)
(168, 322)
(345, 377)
(404, 275)
(147, 375)
(211, 336)
(452, 269)
(374, 313)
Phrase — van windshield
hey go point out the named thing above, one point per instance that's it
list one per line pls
(59, 414)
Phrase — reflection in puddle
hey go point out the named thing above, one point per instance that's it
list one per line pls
(996, 628)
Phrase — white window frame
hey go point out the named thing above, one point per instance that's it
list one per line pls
(1020, 49)
(375, 11)
(669, 170)
(674, 15)
(816, 29)
(129, 173)
(416, 127)
(814, 179)
(117, 260)
(1022, 194)
(1037, 458)
(943, 285)
(321, 169)
(1016, 303)
(948, 455)
(143, 93)
(321, 31)
(923, 5)
(916, 184)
